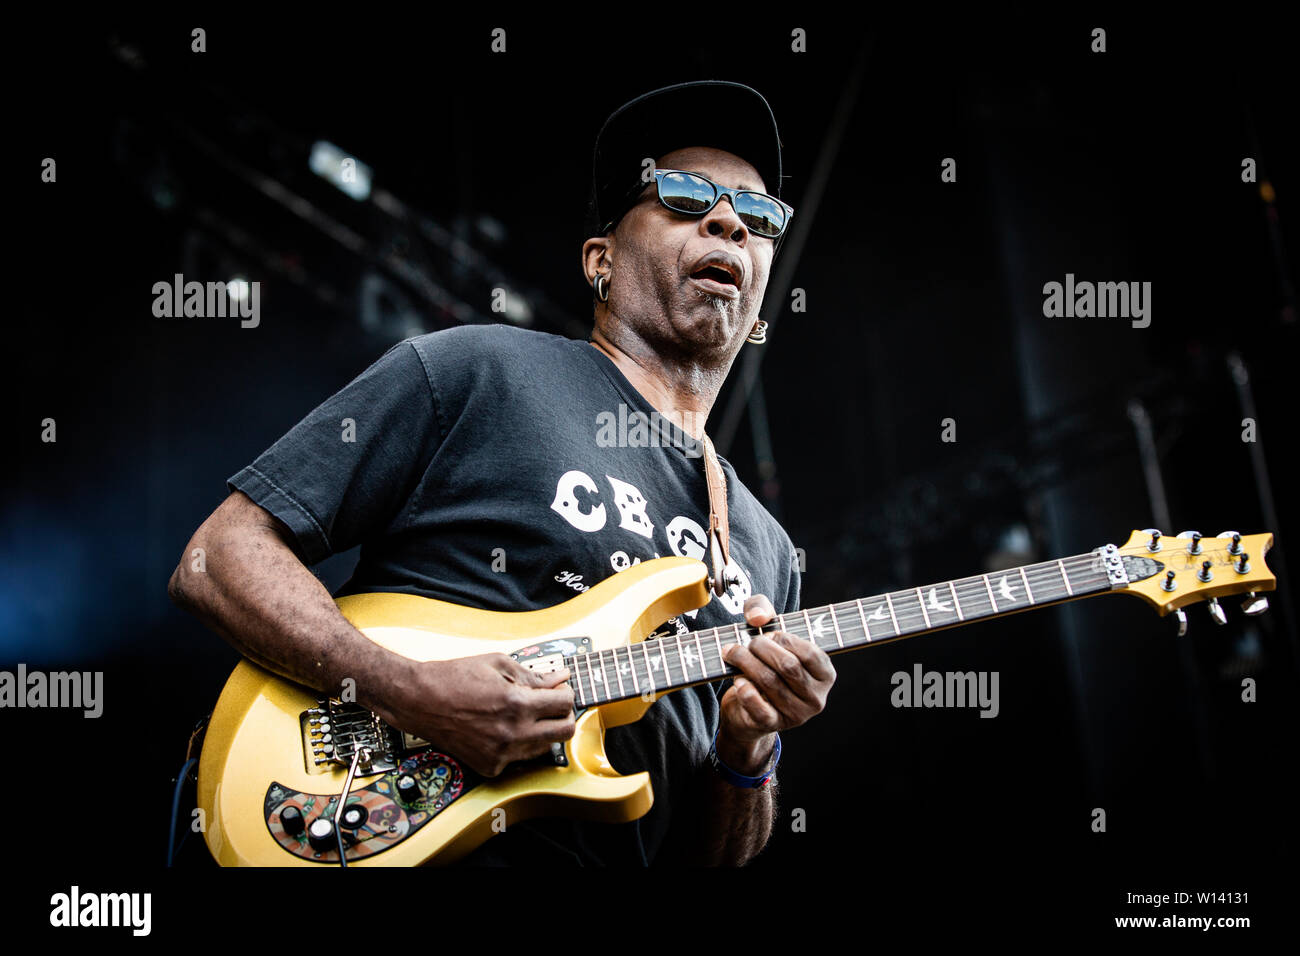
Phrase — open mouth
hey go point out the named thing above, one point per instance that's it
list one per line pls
(717, 280)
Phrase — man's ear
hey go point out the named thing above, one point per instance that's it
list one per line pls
(597, 256)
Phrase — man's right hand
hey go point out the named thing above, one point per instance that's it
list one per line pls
(488, 711)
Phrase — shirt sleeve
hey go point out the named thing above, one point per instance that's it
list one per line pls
(344, 473)
(794, 588)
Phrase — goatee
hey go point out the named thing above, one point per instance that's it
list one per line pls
(721, 304)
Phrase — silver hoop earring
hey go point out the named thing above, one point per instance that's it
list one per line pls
(602, 287)
(759, 333)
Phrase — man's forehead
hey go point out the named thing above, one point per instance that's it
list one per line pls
(722, 167)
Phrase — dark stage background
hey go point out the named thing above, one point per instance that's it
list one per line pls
(924, 302)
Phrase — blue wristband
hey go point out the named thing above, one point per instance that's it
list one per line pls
(739, 779)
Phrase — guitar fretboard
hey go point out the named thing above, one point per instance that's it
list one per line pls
(664, 664)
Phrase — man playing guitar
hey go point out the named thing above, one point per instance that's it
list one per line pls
(475, 470)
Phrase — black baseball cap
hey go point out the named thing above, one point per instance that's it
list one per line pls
(713, 113)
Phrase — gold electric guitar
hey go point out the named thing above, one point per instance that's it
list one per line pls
(289, 779)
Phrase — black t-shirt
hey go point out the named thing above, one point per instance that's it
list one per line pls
(494, 468)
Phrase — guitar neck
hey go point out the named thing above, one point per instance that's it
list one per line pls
(665, 664)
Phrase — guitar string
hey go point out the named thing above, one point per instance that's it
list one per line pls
(1044, 572)
(910, 619)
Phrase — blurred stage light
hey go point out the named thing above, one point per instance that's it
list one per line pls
(516, 309)
(346, 172)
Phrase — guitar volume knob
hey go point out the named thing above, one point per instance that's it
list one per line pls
(408, 788)
(291, 820)
(321, 835)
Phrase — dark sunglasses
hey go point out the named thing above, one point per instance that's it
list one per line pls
(693, 195)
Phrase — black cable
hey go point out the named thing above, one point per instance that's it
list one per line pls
(176, 805)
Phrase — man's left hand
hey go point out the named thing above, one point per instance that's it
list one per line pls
(785, 682)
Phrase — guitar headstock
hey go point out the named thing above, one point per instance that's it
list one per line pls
(1190, 568)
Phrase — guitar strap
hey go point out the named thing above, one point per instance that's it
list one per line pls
(719, 533)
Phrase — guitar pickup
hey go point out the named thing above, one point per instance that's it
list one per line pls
(549, 655)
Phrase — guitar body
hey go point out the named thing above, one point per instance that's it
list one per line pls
(257, 761)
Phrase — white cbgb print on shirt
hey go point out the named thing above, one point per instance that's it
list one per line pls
(578, 501)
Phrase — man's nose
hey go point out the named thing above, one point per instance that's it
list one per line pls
(722, 220)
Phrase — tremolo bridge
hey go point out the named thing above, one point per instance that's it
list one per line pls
(334, 731)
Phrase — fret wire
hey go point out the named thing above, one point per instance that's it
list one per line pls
(606, 684)
(924, 613)
(649, 671)
(988, 587)
(591, 682)
(955, 603)
(722, 663)
(706, 669)
(630, 650)
(889, 601)
(631, 660)
(609, 685)
(577, 674)
(579, 697)
(1065, 578)
(593, 661)
(809, 622)
(597, 670)
(866, 628)
(839, 638)
(604, 678)
(700, 650)
(1028, 593)
(618, 678)
(617, 673)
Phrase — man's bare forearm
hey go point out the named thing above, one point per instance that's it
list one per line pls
(737, 821)
(254, 591)
(487, 709)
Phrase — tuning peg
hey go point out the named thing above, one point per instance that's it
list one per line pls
(1195, 538)
(1154, 544)
(1254, 604)
(1205, 574)
(1181, 617)
(1243, 563)
(1169, 584)
(1217, 612)
(1236, 540)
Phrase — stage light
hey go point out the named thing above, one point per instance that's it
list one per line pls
(348, 173)
(238, 289)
